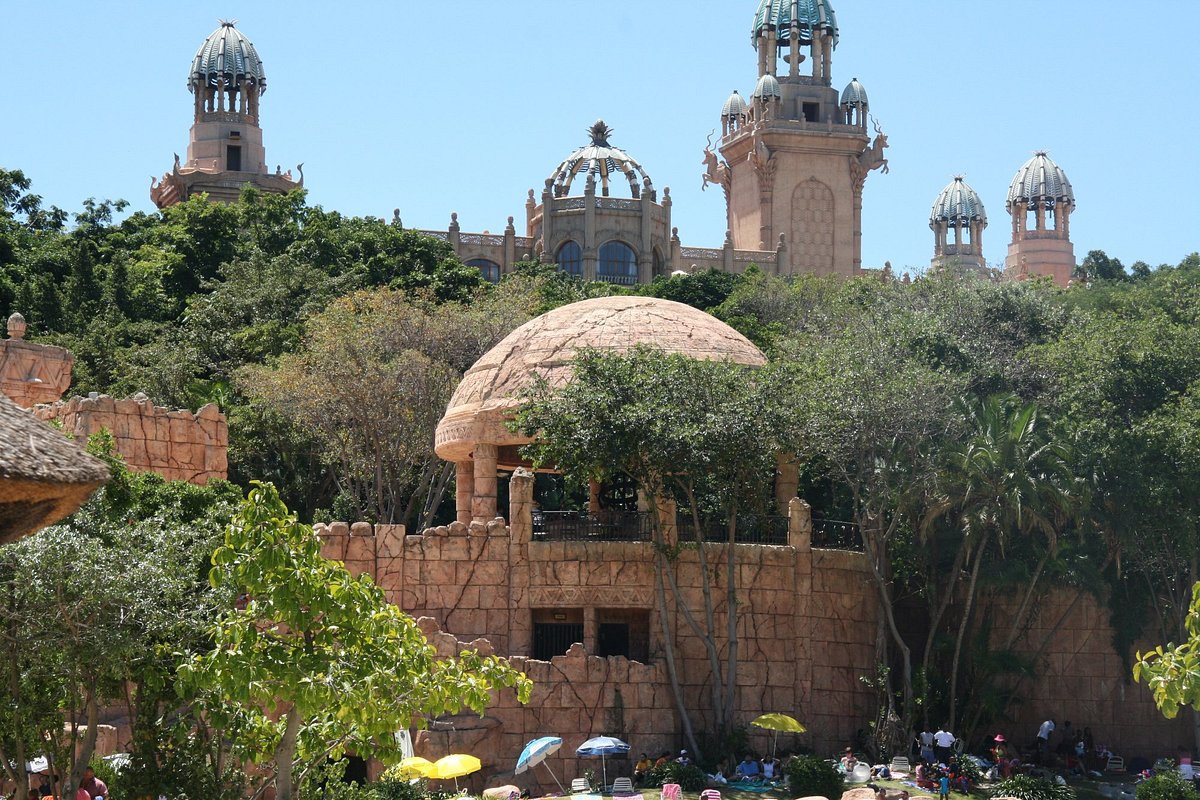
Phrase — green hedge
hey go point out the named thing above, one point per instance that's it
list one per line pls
(809, 775)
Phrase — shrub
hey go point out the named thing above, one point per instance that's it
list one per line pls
(810, 775)
(1168, 785)
(393, 787)
(111, 776)
(1027, 787)
(690, 777)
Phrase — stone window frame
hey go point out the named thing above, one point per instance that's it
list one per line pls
(605, 264)
(574, 266)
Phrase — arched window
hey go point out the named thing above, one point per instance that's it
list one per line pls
(618, 264)
(660, 266)
(489, 268)
(570, 259)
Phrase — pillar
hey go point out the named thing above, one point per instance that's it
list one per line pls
(464, 490)
(799, 524)
(520, 505)
(787, 481)
(668, 519)
(483, 502)
(591, 630)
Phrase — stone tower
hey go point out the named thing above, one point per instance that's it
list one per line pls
(957, 220)
(225, 148)
(1040, 201)
(796, 157)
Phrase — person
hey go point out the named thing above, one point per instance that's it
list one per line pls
(683, 758)
(880, 793)
(848, 761)
(772, 769)
(663, 759)
(93, 785)
(1185, 764)
(642, 768)
(926, 742)
(944, 787)
(1001, 757)
(749, 770)
(1045, 730)
(943, 745)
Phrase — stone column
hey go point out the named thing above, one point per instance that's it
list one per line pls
(669, 521)
(483, 502)
(520, 506)
(464, 490)
(590, 630)
(452, 232)
(727, 252)
(589, 229)
(799, 524)
(510, 247)
(548, 255)
(787, 481)
(782, 265)
(645, 262)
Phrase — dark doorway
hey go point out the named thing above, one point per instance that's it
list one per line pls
(623, 632)
(812, 112)
(612, 639)
(233, 158)
(356, 770)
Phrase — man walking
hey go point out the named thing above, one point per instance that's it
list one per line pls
(1043, 741)
(943, 745)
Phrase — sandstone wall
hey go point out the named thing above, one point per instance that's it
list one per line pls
(33, 373)
(179, 445)
(806, 630)
(1082, 679)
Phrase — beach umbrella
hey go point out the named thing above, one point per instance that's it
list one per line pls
(454, 766)
(536, 752)
(602, 746)
(777, 723)
(416, 767)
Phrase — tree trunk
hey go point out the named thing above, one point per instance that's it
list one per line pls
(709, 634)
(962, 629)
(935, 622)
(669, 646)
(285, 755)
(731, 658)
(1018, 621)
(874, 560)
(83, 755)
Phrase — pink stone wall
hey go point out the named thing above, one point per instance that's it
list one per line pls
(806, 632)
(179, 445)
(1082, 679)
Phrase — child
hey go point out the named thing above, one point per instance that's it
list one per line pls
(944, 787)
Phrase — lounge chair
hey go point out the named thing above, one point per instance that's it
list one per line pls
(710, 794)
(671, 791)
(622, 786)
(1116, 764)
(900, 764)
(580, 786)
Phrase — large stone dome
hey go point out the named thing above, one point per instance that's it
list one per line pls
(546, 345)
(229, 55)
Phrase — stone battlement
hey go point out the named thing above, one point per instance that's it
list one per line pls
(177, 444)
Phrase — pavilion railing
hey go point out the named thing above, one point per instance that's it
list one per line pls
(834, 534)
(579, 526)
(751, 529)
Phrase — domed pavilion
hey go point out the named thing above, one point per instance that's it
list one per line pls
(957, 220)
(473, 433)
(1041, 200)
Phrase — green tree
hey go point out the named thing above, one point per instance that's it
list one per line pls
(314, 660)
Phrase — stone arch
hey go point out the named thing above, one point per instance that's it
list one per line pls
(811, 242)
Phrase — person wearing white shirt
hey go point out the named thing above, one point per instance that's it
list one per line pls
(1043, 738)
(943, 745)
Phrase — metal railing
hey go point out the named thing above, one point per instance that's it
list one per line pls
(579, 526)
(836, 534)
(751, 529)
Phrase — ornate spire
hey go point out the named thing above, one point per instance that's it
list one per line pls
(600, 133)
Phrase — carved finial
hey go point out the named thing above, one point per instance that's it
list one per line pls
(16, 326)
(666, 192)
(531, 191)
(396, 218)
(728, 238)
(600, 133)
(228, 23)
(675, 233)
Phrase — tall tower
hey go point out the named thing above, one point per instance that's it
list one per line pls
(957, 220)
(225, 149)
(1041, 201)
(796, 160)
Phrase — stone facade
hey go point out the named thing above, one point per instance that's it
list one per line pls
(806, 628)
(178, 445)
(32, 373)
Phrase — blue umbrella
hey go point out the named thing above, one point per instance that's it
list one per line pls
(603, 746)
(536, 752)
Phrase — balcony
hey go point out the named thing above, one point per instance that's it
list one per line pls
(751, 529)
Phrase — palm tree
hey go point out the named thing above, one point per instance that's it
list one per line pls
(1010, 475)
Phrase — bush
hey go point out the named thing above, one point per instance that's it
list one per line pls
(1027, 787)
(1168, 785)
(810, 775)
(393, 787)
(690, 777)
(111, 776)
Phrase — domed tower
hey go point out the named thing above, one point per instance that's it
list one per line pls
(589, 232)
(795, 172)
(957, 221)
(225, 149)
(1041, 201)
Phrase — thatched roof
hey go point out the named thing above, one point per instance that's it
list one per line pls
(44, 476)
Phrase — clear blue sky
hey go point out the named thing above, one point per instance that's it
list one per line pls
(463, 106)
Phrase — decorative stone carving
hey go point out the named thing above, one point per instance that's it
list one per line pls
(591, 596)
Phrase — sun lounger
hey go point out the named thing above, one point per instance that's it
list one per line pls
(671, 791)
(622, 786)
(580, 786)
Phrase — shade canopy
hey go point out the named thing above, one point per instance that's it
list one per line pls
(417, 767)
(455, 765)
(602, 746)
(536, 752)
(779, 722)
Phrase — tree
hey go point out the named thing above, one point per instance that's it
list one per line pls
(704, 433)
(314, 660)
(385, 363)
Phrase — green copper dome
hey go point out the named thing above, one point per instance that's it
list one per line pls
(812, 15)
(1040, 180)
(735, 106)
(959, 203)
(855, 94)
(228, 54)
